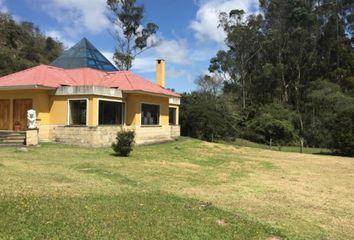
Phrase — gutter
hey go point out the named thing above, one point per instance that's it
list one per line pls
(26, 87)
(152, 94)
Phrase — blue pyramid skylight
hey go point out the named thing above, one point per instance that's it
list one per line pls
(81, 55)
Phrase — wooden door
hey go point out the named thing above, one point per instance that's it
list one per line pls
(5, 115)
(21, 106)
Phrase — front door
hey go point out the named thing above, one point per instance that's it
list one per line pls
(21, 106)
(4, 114)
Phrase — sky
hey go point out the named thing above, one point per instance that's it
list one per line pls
(188, 31)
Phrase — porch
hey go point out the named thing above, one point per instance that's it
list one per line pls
(9, 138)
(13, 114)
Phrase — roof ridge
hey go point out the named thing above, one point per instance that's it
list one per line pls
(125, 74)
(149, 81)
(108, 77)
(21, 71)
(66, 73)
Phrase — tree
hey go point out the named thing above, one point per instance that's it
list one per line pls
(323, 101)
(22, 45)
(295, 58)
(209, 84)
(274, 125)
(342, 131)
(243, 40)
(208, 117)
(132, 38)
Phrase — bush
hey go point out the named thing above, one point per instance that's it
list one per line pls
(124, 144)
(207, 117)
(273, 124)
(273, 130)
(343, 133)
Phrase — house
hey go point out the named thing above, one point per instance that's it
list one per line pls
(81, 99)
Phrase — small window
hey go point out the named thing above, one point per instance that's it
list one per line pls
(150, 114)
(172, 116)
(78, 110)
(111, 113)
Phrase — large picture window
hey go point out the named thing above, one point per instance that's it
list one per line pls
(150, 114)
(111, 113)
(172, 117)
(78, 112)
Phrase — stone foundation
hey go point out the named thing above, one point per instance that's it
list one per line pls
(45, 133)
(104, 136)
(149, 135)
(31, 137)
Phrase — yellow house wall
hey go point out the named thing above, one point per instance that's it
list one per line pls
(93, 117)
(53, 110)
(40, 101)
(59, 109)
(134, 102)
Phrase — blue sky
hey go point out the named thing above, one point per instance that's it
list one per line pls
(187, 29)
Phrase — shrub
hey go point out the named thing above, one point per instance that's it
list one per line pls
(275, 131)
(273, 124)
(124, 144)
(343, 133)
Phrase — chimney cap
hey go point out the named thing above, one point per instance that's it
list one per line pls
(160, 60)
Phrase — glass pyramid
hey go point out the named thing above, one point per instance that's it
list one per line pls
(81, 55)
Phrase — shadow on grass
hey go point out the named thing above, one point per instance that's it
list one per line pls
(334, 154)
(151, 215)
(119, 156)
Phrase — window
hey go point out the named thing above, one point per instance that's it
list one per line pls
(78, 110)
(150, 114)
(111, 113)
(172, 116)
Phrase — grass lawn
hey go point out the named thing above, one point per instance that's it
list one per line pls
(246, 143)
(187, 189)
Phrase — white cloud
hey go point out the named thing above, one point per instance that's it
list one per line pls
(59, 36)
(147, 65)
(76, 16)
(3, 7)
(144, 64)
(175, 51)
(179, 74)
(206, 23)
(109, 56)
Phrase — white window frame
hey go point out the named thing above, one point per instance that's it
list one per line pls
(69, 110)
(176, 121)
(111, 100)
(141, 110)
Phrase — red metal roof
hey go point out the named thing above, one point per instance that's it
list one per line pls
(53, 77)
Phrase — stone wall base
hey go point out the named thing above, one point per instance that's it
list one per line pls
(45, 133)
(31, 137)
(104, 136)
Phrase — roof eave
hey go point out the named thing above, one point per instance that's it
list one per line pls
(26, 87)
(152, 94)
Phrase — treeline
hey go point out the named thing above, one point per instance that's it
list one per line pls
(22, 45)
(286, 78)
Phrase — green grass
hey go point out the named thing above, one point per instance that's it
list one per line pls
(187, 189)
(296, 149)
(125, 216)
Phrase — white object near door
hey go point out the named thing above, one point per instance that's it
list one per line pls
(31, 119)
